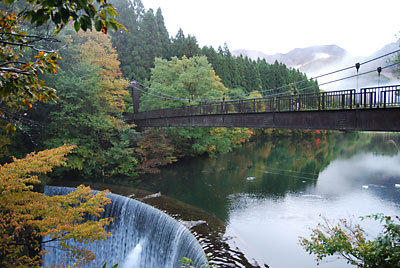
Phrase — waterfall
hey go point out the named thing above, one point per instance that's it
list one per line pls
(142, 237)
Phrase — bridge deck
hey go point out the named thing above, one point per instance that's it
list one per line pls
(370, 109)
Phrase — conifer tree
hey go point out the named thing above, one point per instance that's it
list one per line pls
(163, 34)
(185, 46)
(126, 44)
(150, 44)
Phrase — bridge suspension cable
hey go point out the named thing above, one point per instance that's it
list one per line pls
(351, 76)
(160, 94)
(326, 74)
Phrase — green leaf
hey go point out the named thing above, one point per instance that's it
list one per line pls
(91, 10)
(56, 17)
(64, 14)
(103, 15)
(111, 11)
(77, 26)
(86, 23)
(98, 25)
(114, 24)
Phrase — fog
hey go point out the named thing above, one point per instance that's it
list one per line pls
(323, 64)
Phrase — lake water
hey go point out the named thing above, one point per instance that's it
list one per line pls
(273, 190)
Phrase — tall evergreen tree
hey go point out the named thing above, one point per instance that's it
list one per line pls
(241, 79)
(149, 44)
(131, 14)
(253, 80)
(211, 55)
(163, 35)
(177, 45)
(185, 46)
(231, 65)
(222, 68)
(267, 81)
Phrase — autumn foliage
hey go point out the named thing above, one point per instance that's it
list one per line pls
(27, 215)
(155, 149)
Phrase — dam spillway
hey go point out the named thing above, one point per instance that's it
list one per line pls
(143, 236)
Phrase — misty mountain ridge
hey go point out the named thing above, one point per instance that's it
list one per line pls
(317, 60)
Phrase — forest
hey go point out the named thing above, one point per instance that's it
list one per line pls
(92, 95)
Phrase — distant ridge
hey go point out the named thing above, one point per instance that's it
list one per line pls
(317, 60)
(297, 56)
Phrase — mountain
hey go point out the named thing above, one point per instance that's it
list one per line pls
(385, 50)
(296, 57)
(317, 60)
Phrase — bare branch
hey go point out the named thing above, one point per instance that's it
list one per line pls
(14, 70)
(27, 45)
(52, 240)
(38, 37)
(11, 62)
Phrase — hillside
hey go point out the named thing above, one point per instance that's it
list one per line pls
(317, 60)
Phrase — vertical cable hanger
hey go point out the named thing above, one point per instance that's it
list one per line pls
(379, 70)
(358, 68)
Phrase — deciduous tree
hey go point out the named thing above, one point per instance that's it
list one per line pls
(20, 81)
(90, 109)
(350, 242)
(26, 215)
(190, 80)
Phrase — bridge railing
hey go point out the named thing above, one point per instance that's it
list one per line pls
(365, 98)
(385, 96)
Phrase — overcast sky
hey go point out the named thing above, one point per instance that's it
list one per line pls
(359, 26)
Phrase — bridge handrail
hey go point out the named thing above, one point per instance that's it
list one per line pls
(366, 98)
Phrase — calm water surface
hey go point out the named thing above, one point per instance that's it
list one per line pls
(271, 191)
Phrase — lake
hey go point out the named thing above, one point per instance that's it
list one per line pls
(271, 191)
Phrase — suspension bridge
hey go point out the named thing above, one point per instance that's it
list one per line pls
(365, 109)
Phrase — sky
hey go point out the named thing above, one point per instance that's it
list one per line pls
(277, 26)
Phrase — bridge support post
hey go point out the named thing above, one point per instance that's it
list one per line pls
(351, 100)
(298, 103)
(370, 100)
(365, 98)
(384, 99)
(343, 101)
(278, 104)
(135, 96)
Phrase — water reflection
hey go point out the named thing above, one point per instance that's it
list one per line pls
(374, 173)
(266, 228)
(271, 191)
(278, 164)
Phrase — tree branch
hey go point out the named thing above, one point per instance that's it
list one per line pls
(12, 62)
(40, 38)
(52, 240)
(14, 70)
(26, 45)
(28, 243)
